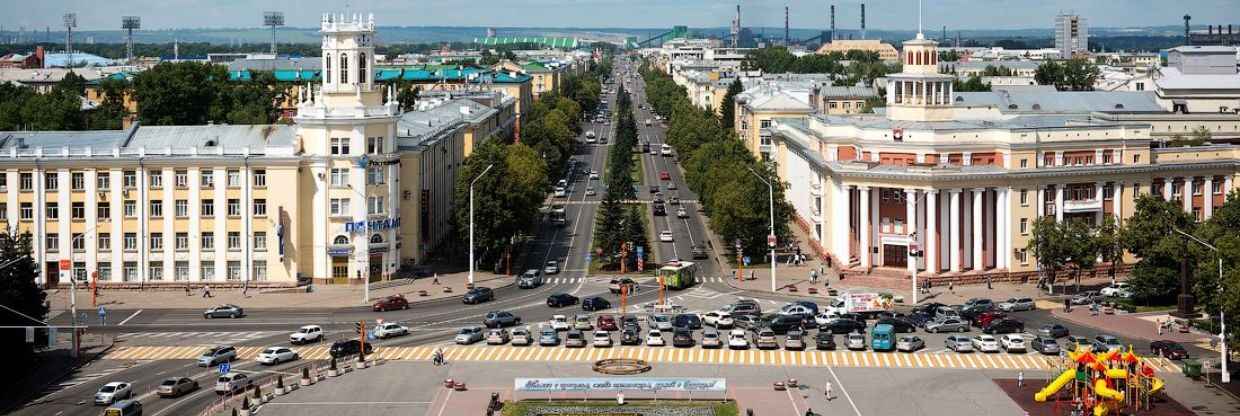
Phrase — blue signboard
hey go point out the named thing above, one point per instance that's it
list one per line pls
(746, 260)
(640, 250)
(225, 367)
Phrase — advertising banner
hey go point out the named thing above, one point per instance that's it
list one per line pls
(618, 384)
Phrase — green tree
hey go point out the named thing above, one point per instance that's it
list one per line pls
(1082, 247)
(727, 109)
(1221, 293)
(1150, 234)
(1108, 243)
(1076, 74)
(1049, 246)
(180, 93)
(19, 292)
(506, 199)
(111, 113)
(973, 83)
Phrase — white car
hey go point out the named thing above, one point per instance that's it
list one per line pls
(680, 212)
(1119, 289)
(986, 343)
(825, 318)
(654, 338)
(391, 329)
(276, 355)
(855, 341)
(232, 382)
(717, 319)
(796, 309)
(710, 339)
(1013, 343)
(553, 267)
(560, 192)
(661, 322)
(737, 340)
(665, 236)
(306, 334)
(601, 339)
(113, 391)
(560, 323)
(593, 174)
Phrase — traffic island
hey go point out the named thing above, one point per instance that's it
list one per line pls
(536, 407)
(621, 366)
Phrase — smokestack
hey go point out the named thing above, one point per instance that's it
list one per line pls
(832, 22)
(787, 39)
(1210, 29)
(863, 20)
(1187, 39)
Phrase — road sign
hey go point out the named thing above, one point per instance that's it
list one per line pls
(65, 265)
(770, 240)
(225, 367)
(102, 312)
(746, 260)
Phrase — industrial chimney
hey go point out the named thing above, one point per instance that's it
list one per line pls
(1188, 40)
(787, 39)
(863, 20)
(832, 22)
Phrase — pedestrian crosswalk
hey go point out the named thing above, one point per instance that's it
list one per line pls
(199, 337)
(811, 358)
(563, 280)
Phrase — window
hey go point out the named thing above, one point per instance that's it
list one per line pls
(130, 242)
(157, 209)
(327, 69)
(234, 270)
(4, 181)
(27, 211)
(344, 68)
(104, 241)
(181, 208)
(130, 273)
(180, 179)
(77, 180)
(208, 208)
(258, 270)
(156, 270)
(26, 181)
(51, 181)
(157, 241)
(207, 179)
(180, 271)
(78, 242)
(340, 145)
(130, 208)
(103, 181)
(340, 207)
(1024, 163)
(1107, 157)
(374, 205)
(52, 241)
(260, 178)
(105, 271)
(1024, 197)
(4, 211)
(1048, 159)
(208, 241)
(1136, 189)
(234, 178)
(181, 241)
(1216, 188)
(1177, 190)
(361, 67)
(340, 177)
(1024, 226)
(79, 271)
(1196, 188)
(103, 211)
(374, 145)
(1140, 86)
(234, 241)
(1020, 256)
(1108, 191)
(260, 241)
(1136, 158)
(208, 270)
(130, 179)
(156, 178)
(77, 210)
(340, 240)
(53, 210)
(234, 207)
(260, 207)
(374, 176)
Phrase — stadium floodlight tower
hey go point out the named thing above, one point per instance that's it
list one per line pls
(129, 23)
(273, 20)
(70, 23)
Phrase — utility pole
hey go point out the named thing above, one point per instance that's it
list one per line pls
(471, 221)
(70, 20)
(273, 20)
(129, 23)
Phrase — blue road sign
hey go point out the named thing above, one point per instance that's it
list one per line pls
(746, 260)
(102, 312)
(640, 251)
(225, 367)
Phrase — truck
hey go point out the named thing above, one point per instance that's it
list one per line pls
(862, 303)
(679, 275)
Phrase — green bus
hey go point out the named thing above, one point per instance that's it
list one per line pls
(679, 275)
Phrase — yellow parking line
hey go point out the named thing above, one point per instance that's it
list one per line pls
(749, 357)
(917, 359)
(888, 360)
(524, 354)
(949, 361)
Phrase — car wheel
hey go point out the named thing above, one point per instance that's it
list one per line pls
(963, 329)
(406, 306)
(235, 316)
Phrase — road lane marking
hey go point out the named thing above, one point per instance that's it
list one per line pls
(130, 317)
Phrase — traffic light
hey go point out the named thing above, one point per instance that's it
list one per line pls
(357, 327)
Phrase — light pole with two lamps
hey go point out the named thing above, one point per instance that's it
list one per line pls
(770, 239)
(1225, 377)
(471, 221)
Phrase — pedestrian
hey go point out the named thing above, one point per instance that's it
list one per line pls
(435, 281)
(1020, 379)
(1159, 323)
(828, 391)
(753, 275)
(813, 276)
(951, 286)
(206, 291)
(187, 291)
(821, 271)
(245, 288)
(988, 285)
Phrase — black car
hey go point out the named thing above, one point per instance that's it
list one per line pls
(781, 324)
(699, 252)
(1169, 349)
(630, 337)
(1005, 326)
(824, 340)
(928, 308)
(659, 209)
(687, 321)
(629, 320)
(919, 319)
(594, 303)
(969, 312)
(500, 319)
(843, 326)
(654, 189)
(900, 325)
(478, 295)
(682, 339)
(348, 347)
(560, 300)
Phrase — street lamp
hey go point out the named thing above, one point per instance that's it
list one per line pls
(1222, 322)
(471, 221)
(771, 238)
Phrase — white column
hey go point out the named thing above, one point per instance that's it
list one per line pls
(193, 177)
(1188, 194)
(1040, 195)
(247, 222)
(977, 229)
(1167, 188)
(1003, 225)
(966, 159)
(170, 247)
(1059, 158)
(839, 235)
(932, 231)
(64, 231)
(116, 203)
(1117, 202)
(863, 231)
(91, 229)
(910, 213)
(1098, 186)
(1059, 202)
(221, 223)
(954, 221)
(1207, 207)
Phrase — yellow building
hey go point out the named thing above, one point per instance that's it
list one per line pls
(885, 51)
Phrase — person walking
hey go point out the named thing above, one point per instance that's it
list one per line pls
(828, 391)
(1159, 324)
(435, 280)
(206, 291)
(187, 291)
(1020, 379)
(951, 286)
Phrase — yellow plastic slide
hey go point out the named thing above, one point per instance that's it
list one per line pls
(1100, 409)
(1055, 385)
(1101, 389)
(1156, 385)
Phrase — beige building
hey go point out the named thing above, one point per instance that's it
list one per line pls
(885, 51)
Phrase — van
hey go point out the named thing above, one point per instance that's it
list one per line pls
(882, 338)
(124, 408)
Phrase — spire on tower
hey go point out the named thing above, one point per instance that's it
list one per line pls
(919, 20)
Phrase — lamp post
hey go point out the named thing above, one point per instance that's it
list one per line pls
(1222, 322)
(471, 221)
(771, 238)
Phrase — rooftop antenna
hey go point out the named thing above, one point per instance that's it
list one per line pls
(70, 20)
(129, 23)
(919, 18)
(273, 20)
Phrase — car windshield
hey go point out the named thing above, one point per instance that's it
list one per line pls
(107, 389)
(271, 351)
(224, 379)
(168, 382)
(305, 330)
(208, 353)
(464, 331)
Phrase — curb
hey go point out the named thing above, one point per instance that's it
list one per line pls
(423, 301)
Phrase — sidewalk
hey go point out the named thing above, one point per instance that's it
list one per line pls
(322, 296)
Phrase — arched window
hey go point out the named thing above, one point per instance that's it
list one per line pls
(376, 239)
(341, 240)
(344, 68)
(327, 71)
(361, 68)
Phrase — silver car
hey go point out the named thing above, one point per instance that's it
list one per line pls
(469, 335)
(910, 343)
(1016, 304)
(948, 325)
(959, 343)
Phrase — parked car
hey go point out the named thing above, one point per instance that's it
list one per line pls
(855, 341)
(1017, 304)
(765, 339)
(959, 343)
(824, 340)
(1045, 345)
(468, 335)
(1086, 297)
(500, 319)
(345, 348)
(1119, 289)
(683, 338)
(276, 355)
(574, 339)
(982, 320)
(560, 300)
(947, 325)
(532, 278)
(602, 339)
(717, 319)
(478, 295)
(616, 284)
(215, 355)
(746, 321)
(1074, 342)
(549, 337)
(1053, 331)
(390, 303)
(654, 338)
(498, 336)
(176, 386)
(737, 340)
(795, 340)
(661, 322)
(843, 326)
(986, 343)
(743, 307)
(686, 320)
(223, 311)
(521, 337)
(113, 391)
(1103, 343)
(552, 267)
(606, 323)
(582, 323)
(560, 323)
(781, 324)
(900, 325)
(1169, 349)
(630, 336)
(1004, 326)
(666, 236)
(595, 303)
(232, 383)
(910, 343)
(306, 334)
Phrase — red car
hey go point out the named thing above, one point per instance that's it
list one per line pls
(983, 319)
(389, 303)
(606, 323)
(665, 176)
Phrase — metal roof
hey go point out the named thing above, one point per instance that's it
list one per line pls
(1173, 79)
(1062, 102)
(265, 139)
(419, 128)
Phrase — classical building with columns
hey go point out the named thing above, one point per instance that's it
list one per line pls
(963, 182)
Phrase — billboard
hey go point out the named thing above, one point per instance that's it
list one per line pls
(619, 384)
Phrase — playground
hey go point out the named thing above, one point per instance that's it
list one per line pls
(1086, 383)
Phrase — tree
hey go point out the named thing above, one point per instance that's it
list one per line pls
(727, 109)
(972, 84)
(1150, 234)
(1082, 247)
(112, 112)
(1076, 74)
(180, 93)
(19, 292)
(1108, 243)
(1048, 244)
(1221, 295)
(507, 198)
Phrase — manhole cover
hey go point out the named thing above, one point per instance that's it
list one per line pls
(621, 366)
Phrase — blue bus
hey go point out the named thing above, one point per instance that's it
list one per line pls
(883, 338)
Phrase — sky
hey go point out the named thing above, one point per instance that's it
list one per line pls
(881, 14)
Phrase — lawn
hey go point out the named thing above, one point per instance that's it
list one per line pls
(523, 408)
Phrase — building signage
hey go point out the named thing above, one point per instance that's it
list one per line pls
(339, 250)
(618, 384)
(372, 225)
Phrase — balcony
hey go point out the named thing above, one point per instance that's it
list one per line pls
(1076, 206)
